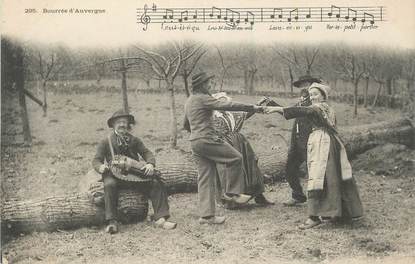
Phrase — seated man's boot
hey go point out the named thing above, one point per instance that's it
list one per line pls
(112, 227)
(163, 223)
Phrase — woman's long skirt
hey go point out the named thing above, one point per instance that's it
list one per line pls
(252, 178)
(338, 198)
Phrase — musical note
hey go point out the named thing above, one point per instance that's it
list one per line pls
(220, 12)
(170, 12)
(370, 15)
(232, 16)
(309, 13)
(145, 19)
(292, 11)
(232, 19)
(348, 14)
(185, 17)
(249, 13)
(280, 14)
(331, 12)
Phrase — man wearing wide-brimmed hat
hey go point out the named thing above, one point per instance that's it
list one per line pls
(121, 142)
(208, 149)
(297, 153)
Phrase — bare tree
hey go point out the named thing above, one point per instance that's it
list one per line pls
(47, 64)
(298, 60)
(351, 66)
(166, 67)
(188, 66)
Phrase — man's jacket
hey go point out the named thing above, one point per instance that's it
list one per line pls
(133, 149)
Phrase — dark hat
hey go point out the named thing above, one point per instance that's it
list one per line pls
(118, 114)
(306, 78)
(200, 78)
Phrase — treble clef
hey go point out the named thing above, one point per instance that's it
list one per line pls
(145, 19)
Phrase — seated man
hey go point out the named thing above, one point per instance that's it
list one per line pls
(121, 142)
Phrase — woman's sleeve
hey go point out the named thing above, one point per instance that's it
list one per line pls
(300, 111)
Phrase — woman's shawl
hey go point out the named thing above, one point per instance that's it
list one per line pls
(226, 122)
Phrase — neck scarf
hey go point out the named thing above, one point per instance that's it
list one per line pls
(122, 140)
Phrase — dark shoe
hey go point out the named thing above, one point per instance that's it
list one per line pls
(238, 198)
(294, 202)
(262, 200)
(214, 220)
(310, 223)
(231, 205)
(112, 227)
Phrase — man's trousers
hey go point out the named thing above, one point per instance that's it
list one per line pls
(154, 190)
(297, 154)
(208, 152)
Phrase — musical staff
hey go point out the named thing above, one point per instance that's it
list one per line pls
(251, 16)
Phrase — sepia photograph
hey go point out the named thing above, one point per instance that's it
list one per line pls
(207, 132)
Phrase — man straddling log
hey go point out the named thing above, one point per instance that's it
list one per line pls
(119, 146)
(208, 149)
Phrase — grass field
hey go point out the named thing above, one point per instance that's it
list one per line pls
(64, 144)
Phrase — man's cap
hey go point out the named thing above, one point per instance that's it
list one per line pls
(118, 114)
(200, 78)
(306, 78)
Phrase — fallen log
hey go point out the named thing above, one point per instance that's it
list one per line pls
(67, 212)
(183, 177)
(80, 210)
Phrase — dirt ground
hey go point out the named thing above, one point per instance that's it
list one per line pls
(64, 145)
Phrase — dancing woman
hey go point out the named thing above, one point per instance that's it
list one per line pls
(332, 189)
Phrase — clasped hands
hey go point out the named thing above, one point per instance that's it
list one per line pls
(267, 109)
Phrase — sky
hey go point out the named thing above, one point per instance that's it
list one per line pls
(117, 25)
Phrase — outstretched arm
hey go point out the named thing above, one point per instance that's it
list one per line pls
(293, 111)
(214, 104)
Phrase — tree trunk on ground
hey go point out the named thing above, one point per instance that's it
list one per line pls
(173, 117)
(68, 212)
(78, 210)
(366, 92)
